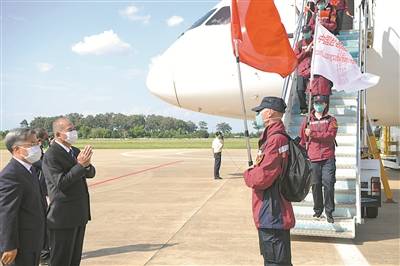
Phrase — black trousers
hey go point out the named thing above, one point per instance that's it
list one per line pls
(217, 163)
(301, 91)
(339, 21)
(324, 176)
(66, 246)
(275, 246)
(25, 258)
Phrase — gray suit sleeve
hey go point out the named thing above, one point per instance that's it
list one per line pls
(54, 173)
(10, 201)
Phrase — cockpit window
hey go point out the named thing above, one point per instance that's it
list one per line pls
(223, 16)
(202, 19)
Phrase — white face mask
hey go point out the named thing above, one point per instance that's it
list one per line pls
(34, 154)
(72, 136)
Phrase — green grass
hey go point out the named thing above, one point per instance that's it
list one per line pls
(232, 143)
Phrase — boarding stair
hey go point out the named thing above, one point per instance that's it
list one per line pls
(344, 106)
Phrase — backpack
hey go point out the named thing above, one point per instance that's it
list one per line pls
(295, 180)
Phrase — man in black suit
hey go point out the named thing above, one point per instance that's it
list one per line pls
(65, 170)
(22, 209)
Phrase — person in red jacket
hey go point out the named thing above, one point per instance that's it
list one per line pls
(303, 51)
(341, 7)
(320, 86)
(272, 213)
(319, 138)
(327, 16)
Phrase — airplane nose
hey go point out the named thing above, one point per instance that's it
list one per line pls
(160, 80)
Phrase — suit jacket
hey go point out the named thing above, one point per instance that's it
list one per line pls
(22, 210)
(67, 188)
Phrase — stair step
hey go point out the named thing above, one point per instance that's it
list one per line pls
(345, 183)
(346, 160)
(341, 210)
(342, 101)
(350, 43)
(343, 110)
(342, 228)
(346, 172)
(342, 196)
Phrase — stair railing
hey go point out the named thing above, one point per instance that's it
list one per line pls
(290, 81)
(362, 133)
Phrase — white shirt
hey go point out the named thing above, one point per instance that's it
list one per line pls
(217, 145)
(24, 164)
(64, 147)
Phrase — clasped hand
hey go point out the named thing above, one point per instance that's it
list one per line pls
(85, 156)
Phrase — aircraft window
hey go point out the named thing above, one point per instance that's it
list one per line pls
(223, 16)
(202, 19)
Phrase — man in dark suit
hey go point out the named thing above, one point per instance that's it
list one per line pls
(22, 209)
(65, 170)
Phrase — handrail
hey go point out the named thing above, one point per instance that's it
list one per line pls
(285, 89)
(361, 99)
(296, 37)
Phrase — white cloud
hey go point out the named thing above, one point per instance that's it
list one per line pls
(107, 42)
(174, 21)
(131, 13)
(44, 67)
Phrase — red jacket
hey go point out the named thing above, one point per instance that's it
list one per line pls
(329, 21)
(303, 58)
(322, 139)
(270, 209)
(319, 86)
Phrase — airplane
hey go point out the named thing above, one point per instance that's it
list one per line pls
(198, 71)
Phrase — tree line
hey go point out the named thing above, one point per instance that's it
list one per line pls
(117, 125)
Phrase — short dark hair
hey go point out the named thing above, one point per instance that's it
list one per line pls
(16, 136)
(41, 133)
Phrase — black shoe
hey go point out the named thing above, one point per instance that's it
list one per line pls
(217, 177)
(330, 219)
(317, 215)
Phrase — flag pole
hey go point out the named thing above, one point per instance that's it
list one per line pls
(312, 75)
(246, 130)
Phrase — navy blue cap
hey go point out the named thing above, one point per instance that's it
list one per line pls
(321, 98)
(274, 103)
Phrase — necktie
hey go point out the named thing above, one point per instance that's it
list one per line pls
(71, 153)
(33, 171)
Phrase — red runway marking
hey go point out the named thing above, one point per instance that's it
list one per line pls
(133, 173)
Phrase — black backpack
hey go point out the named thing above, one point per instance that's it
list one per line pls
(295, 180)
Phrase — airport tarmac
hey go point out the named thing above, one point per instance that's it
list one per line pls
(163, 207)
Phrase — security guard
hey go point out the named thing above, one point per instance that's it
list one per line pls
(319, 138)
(273, 215)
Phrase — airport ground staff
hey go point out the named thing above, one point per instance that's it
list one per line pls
(272, 214)
(217, 145)
(303, 51)
(65, 169)
(22, 210)
(320, 136)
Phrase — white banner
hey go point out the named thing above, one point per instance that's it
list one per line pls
(334, 62)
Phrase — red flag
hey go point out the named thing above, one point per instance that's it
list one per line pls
(235, 22)
(264, 42)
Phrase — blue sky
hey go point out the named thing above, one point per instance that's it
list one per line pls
(49, 67)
